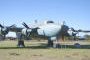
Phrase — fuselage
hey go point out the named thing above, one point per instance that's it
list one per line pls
(49, 29)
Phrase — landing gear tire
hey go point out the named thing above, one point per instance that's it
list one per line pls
(20, 40)
(50, 43)
(21, 43)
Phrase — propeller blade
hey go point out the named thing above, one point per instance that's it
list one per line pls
(24, 24)
(73, 29)
(1, 26)
(12, 25)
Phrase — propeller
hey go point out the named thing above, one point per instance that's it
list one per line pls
(73, 29)
(4, 30)
(12, 26)
(29, 31)
(63, 32)
(1, 26)
(73, 33)
(24, 24)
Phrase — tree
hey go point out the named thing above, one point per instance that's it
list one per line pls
(87, 37)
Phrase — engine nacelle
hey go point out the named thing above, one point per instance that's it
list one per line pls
(26, 31)
(4, 31)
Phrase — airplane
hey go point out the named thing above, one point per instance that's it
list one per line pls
(54, 32)
(50, 30)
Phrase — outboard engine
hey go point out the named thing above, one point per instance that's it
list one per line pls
(4, 31)
(63, 32)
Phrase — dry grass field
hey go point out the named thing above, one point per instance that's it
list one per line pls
(38, 51)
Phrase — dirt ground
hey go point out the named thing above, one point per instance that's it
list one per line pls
(39, 51)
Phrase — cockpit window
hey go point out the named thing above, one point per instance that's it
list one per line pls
(50, 22)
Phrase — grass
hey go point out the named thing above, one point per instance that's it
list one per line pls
(39, 51)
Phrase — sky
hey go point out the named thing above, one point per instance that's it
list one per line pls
(76, 13)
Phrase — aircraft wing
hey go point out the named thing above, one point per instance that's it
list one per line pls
(86, 31)
(15, 29)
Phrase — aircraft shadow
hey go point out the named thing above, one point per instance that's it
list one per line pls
(44, 46)
(74, 47)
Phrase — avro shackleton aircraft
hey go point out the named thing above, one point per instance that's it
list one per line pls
(49, 30)
(52, 31)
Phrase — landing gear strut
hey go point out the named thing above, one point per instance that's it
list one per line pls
(50, 43)
(20, 40)
(21, 43)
